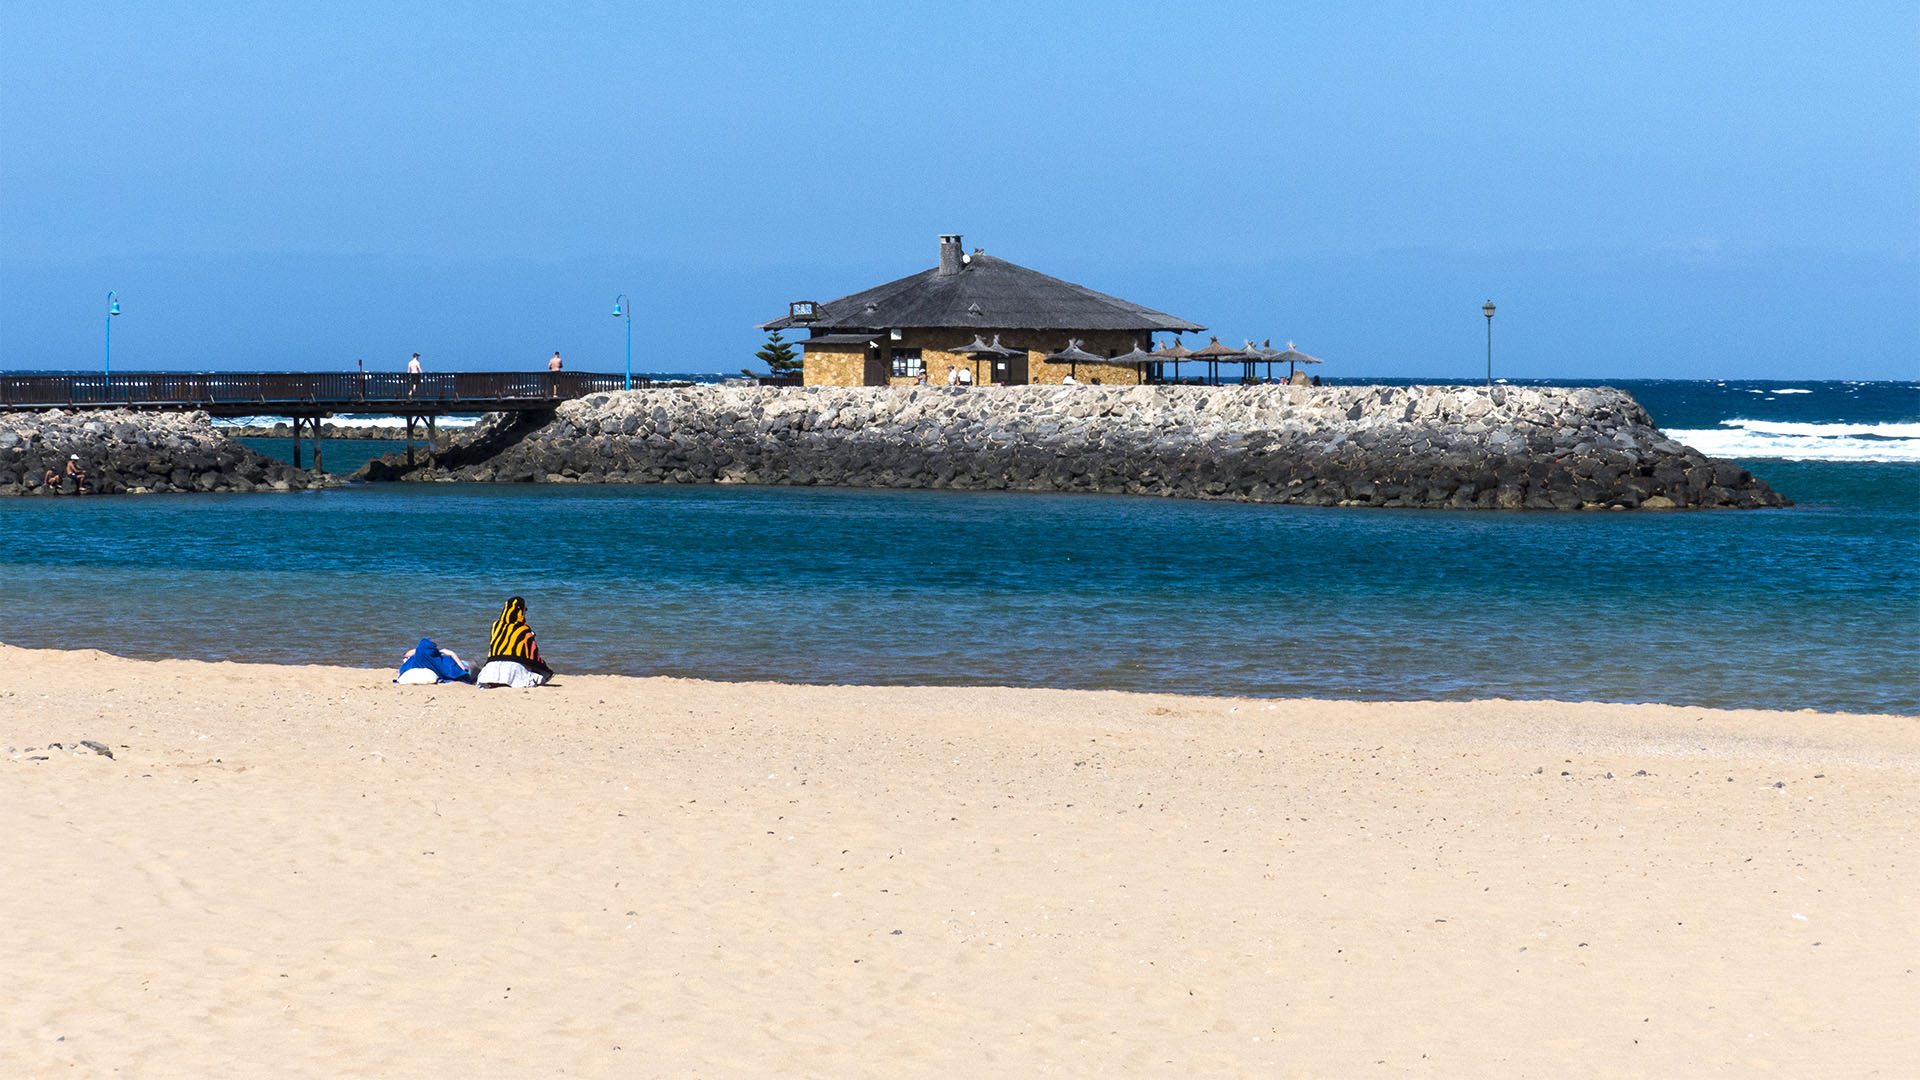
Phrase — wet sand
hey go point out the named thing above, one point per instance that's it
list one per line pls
(306, 871)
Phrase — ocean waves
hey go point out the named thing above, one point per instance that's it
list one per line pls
(1745, 438)
(370, 421)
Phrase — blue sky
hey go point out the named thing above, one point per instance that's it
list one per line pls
(1676, 189)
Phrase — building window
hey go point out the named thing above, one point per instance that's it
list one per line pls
(907, 363)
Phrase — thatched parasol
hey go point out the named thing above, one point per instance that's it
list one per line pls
(1294, 356)
(978, 348)
(1173, 354)
(1138, 359)
(1213, 353)
(1257, 354)
(1073, 356)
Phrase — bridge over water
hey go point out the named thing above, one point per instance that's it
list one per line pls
(308, 398)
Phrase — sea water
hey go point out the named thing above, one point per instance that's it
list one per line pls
(1817, 606)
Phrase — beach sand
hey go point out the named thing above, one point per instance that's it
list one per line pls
(307, 871)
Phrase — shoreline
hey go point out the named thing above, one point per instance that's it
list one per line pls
(1259, 700)
(305, 870)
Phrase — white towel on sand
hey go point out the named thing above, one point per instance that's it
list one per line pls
(508, 673)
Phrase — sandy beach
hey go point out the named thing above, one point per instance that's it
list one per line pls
(308, 871)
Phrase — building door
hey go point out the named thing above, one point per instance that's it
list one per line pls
(1011, 370)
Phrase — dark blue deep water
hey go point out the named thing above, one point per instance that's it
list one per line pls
(1814, 607)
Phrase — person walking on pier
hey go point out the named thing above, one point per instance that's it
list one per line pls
(554, 364)
(413, 375)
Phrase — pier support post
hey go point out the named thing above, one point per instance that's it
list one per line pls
(317, 467)
(410, 419)
(296, 442)
(433, 440)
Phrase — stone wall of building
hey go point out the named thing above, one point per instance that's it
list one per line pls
(829, 365)
(850, 366)
(1425, 446)
(134, 452)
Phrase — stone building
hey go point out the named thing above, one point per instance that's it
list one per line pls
(928, 322)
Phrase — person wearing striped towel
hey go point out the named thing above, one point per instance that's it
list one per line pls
(513, 657)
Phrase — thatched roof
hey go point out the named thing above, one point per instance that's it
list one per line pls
(983, 292)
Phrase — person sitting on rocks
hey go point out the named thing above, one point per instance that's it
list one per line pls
(76, 474)
(429, 663)
(513, 657)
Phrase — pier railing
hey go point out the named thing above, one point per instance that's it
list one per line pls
(277, 392)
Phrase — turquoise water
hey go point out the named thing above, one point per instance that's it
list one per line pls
(340, 456)
(1815, 607)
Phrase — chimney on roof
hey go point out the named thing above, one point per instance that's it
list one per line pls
(950, 262)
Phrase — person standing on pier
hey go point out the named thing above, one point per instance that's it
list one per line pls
(554, 364)
(413, 374)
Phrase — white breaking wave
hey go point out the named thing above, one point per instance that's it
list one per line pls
(1793, 391)
(399, 424)
(1805, 442)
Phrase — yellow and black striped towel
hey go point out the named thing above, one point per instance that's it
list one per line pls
(512, 638)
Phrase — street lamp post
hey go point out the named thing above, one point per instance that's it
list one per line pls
(113, 308)
(1487, 310)
(621, 310)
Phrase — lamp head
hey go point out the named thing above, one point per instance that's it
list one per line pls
(113, 304)
(1487, 309)
(620, 305)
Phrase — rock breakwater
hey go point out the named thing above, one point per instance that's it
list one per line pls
(126, 451)
(1421, 446)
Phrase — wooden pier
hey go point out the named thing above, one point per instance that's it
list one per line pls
(308, 398)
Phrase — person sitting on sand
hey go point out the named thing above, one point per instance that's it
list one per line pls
(513, 657)
(429, 663)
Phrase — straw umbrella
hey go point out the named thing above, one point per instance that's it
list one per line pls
(1138, 360)
(1173, 353)
(977, 348)
(1213, 354)
(1257, 354)
(1294, 356)
(1002, 350)
(1073, 356)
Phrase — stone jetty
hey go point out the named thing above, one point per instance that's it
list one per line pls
(134, 452)
(1421, 446)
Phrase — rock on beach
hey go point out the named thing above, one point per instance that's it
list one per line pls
(126, 451)
(1544, 448)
